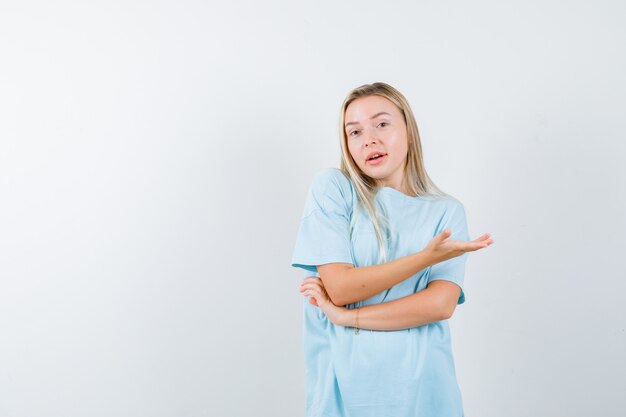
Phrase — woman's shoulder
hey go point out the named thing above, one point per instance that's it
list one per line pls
(450, 201)
(331, 187)
(445, 204)
(450, 209)
(332, 177)
(332, 174)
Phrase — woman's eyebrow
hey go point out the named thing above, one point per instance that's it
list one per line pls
(373, 117)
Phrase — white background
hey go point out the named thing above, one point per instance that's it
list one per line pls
(155, 157)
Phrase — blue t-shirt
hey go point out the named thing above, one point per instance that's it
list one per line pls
(377, 373)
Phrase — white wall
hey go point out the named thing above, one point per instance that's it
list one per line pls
(155, 157)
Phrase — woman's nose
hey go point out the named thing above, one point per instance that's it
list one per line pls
(370, 137)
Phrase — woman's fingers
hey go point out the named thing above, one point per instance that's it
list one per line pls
(311, 286)
(445, 233)
(474, 245)
(314, 293)
(481, 242)
(314, 289)
(315, 280)
(483, 237)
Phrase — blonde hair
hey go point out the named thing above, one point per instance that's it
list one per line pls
(415, 180)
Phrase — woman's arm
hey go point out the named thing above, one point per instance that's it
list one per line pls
(434, 303)
(347, 284)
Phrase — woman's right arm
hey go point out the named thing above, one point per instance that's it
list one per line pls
(346, 284)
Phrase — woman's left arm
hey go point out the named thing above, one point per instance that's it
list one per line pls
(434, 303)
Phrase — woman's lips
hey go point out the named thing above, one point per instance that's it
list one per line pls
(376, 161)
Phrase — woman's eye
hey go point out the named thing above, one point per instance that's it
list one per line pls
(383, 123)
(354, 131)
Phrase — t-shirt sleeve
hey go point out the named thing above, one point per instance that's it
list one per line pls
(453, 269)
(324, 230)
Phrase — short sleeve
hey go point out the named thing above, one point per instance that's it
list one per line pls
(453, 269)
(324, 231)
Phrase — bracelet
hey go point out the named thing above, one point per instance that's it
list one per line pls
(356, 326)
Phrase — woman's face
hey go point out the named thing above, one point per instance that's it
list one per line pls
(375, 125)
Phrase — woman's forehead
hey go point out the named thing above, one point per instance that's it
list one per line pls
(369, 107)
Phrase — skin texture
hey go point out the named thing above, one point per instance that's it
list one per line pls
(386, 133)
(426, 306)
(434, 303)
(346, 284)
(375, 124)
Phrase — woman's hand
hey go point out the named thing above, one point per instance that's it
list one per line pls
(442, 248)
(313, 287)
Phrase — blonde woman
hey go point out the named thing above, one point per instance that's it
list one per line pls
(385, 252)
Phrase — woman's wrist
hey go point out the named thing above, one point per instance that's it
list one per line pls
(347, 318)
(425, 258)
(343, 317)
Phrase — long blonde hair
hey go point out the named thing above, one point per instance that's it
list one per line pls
(415, 180)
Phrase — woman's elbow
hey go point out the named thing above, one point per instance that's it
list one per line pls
(335, 299)
(447, 310)
(333, 276)
(446, 295)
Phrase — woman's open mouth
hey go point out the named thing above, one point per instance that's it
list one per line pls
(376, 159)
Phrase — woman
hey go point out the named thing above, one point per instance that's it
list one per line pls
(388, 250)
